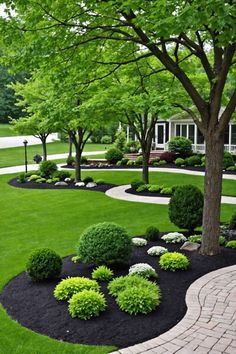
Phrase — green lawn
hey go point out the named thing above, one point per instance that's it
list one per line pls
(15, 156)
(5, 130)
(55, 219)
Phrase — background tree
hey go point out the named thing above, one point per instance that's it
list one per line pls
(164, 30)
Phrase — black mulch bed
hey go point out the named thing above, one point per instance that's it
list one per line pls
(168, 165)
(33, 185)
(33, 304)
(147, 193)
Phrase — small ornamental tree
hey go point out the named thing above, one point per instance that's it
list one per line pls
(186, 207)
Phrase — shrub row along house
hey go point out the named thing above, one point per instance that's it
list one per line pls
(183, 125)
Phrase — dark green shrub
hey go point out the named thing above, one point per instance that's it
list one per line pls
(47, 168)
(139, 160)
(120, 141)
(203, 160)
(152, 233)
(43, 264)
(106, 139)
(180, 145)
(87, 179)
(100, 181)
(70, 161)
(117, 285)
(22, 178)
(232, 223)
(135, 184)
(179, 161)
(102, 273)
(70, 286)
(139, 300)
(84, 160)
(193, 160)
(231, 244)
(104, 243)
(62, 175)
(228, 160)
(186, 207)
(174, 261)
(86, 304)
(113, 155)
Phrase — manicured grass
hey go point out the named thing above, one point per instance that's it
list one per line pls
(55, 219)
(5, 130)
(15, 156)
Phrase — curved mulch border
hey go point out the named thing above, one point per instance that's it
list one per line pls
(146, 193)
(33, 185)
(33, 305)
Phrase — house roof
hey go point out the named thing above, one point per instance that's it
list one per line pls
(183, 115)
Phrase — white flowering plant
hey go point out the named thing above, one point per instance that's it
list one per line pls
(157, 251)
(139, 241)
(143, 269)
(174, 237)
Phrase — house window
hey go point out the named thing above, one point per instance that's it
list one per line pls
(200, 137)
(233, 134)
(177, 130)
(186, 130)
(191, 129)
(226, 136)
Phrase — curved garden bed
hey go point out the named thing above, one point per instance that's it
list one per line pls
(34, 306)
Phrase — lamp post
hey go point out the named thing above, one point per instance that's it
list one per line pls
(25, 142)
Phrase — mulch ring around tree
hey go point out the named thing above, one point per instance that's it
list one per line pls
(34, 306)
(34, 185)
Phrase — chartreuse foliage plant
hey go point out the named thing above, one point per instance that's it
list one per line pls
(104, 243)
(174, 261)
(86, 304)
(44, 264)
(102, 273)
(70, 286)
(231, 244)
(119, 284)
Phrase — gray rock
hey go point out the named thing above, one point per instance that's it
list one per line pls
(91, 185)
(190, 246)
(79, 184)
(61, 183)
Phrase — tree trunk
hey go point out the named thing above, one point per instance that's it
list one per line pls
(212, 194)
(145, 172)
(70, 148)
(78, 154)
(44, 149)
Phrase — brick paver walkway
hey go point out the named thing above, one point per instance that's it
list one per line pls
(209, 325)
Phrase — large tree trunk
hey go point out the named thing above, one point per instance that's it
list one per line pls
(70, 148)
(145, 171)
(212, 194)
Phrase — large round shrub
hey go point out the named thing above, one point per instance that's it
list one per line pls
(180, 145)
(86, 304)
(114, 155)
(117, 285)
(186, 207)
(43, 264)
(47, 168)
(104, 243)
(70, 286)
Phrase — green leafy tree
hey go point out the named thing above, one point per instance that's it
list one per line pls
(165, 30)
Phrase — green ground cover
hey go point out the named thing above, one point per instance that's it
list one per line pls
(55, 219)
(15, 156)
(5, 130)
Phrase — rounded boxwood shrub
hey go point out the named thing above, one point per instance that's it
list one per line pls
(193, 160)
(136, 183)
(179, 161)
(104, 243)
(174, 261)
(180, 145)
(47, 168)
(72, 285)
(44, 264)
(117, 285)
(232, 223)
(87, 179)
(102, 273)
(228, 160)
(139, 300)
(86, 304)
(70, 161)
(186, 207)
(113, 155)
(139, 160)
(152, 233)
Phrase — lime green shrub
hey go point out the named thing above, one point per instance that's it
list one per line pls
(86, 304)
(174, 261)
(119, 284)
(102, 273)
(70, 286)
(231, 244)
